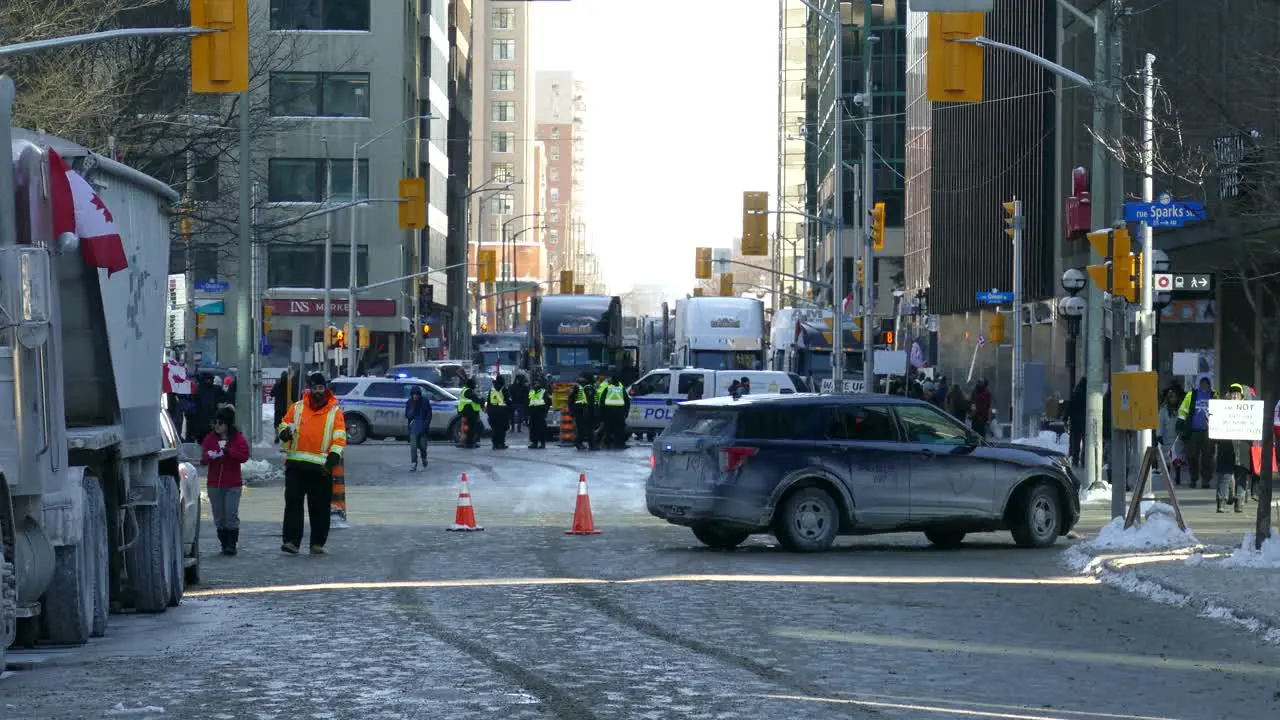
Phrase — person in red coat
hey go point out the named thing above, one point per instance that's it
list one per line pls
(225, 450)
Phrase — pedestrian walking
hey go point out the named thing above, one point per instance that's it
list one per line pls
(204, 407)
(957, 403)
(1193, 414)
(980, 408)
(538, 398)
(519, 392)
(735, 389)
(469, 409)
(1229, 476)
(602, 388)
(499, 409)
(224, 450)
(1166, 433)
(315, 433)
(417, 410)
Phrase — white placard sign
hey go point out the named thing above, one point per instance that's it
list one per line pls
(1236, 419)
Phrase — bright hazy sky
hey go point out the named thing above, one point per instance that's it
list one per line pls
(681, 118)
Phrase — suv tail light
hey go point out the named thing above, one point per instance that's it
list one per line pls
(653, 461)
(733, 458)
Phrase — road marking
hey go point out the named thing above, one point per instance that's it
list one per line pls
(737, 579)
(961, 711)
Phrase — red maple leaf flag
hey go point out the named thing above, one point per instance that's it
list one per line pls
(78, 209)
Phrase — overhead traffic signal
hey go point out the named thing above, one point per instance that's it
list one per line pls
(726, 284)
(1010, 215)
(566, 282)
(702, 263)
(755, 223)
(413, 203)
(877, 226)
(220, 60)
(698, 292)
(954, 69)
(995, 330)
(426, 329)
(362, 337)
(199, 325)
(488, 270)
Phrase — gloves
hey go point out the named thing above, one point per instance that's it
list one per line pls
(286, 434)
(332, 461)
(215, 454)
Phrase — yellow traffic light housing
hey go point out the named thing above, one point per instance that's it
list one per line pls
(579, 289)
(413, 203)
(1120, 273)
(858, 270)
(698, 292)
(488, 270)
(1009, 210)
(566, 282)
(362, 337)
(199, 325)
(954, 69)
(995, 330)
(877, 226)
(755, 223)
(426, 329)
(220, 60)
(726, 284)
(702, 264)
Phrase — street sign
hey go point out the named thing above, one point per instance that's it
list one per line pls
(951, 5)
(1182, 282)
(212, 286)
(994, 297)
(1164, 212)
(209, 307)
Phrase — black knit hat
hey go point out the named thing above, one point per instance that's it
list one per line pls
(316, 378)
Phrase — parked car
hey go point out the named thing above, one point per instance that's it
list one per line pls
(808, 468)
(374, 408)
(188, 497)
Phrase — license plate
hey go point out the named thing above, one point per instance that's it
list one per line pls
(693, 464)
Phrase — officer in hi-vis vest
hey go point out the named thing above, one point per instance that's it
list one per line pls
(614, 406)
(499, 407)
(539, 398)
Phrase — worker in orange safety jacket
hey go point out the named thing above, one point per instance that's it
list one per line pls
(313, 433)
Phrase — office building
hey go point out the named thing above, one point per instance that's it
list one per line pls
(461, 111)
(560, 117)
(794, 231)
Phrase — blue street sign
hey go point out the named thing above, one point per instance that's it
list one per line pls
(994, 297)
(213, 286)
(265, 346)
(1165, 212)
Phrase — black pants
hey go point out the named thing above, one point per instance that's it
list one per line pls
(1199, 457)
(538, 427)
(499, 422)
(307, 483)
(473, 428)
(615, 427)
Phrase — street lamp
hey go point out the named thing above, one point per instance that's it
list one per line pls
(356, 147)
(509, 261)
(1072, 308)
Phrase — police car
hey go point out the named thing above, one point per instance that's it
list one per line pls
(655, 396)
(374, 408)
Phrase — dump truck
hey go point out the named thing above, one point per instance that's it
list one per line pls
(89, 496)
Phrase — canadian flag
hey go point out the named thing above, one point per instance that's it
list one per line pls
(176, 380)
(78, 209)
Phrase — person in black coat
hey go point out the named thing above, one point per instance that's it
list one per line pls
(204, 408)
(499, 409)
(1075, 421)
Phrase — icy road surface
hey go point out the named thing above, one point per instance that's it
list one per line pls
(405, 620)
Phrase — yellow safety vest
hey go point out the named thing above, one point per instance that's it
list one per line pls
(465, 401)
(613, 396)
(536, 398)
(495, 397)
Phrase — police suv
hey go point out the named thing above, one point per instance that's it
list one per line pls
(654, 397)
(374, 408)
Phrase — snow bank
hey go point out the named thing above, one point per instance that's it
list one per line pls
(260, 471)
(1246, 557)
(1158, 532)
(145, 711)
(1097, 493)
(268, 414)
(1047, 439)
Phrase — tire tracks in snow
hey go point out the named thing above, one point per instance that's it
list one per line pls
(561, 702)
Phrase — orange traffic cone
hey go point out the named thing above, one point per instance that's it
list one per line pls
(582, 522)
(464, 520)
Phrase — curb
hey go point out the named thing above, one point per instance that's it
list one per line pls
(1160, 590)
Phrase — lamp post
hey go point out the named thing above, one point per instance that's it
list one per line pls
(509, 261)
(1072, 308)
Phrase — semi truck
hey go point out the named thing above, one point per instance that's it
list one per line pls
(801, 343)
(719, 333)
(573, 334)
(90, 516)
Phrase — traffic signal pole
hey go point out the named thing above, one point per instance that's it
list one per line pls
(837, 265)
(1147, 327)
(868, 205)
(1099, 192)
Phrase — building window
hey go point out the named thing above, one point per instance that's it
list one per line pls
(303, 179)
(553, 174)
(320, 15)
(504, 19)
(503, 203)
(302, 266)
(555, 152)
(318, 94)
(504, 49)
(502, 80)
(555, 195)
(206, 179)
(555, 133)
(204, 262)
(503, 142)
(553, 216)
(503, 111)
(553, 236)
(504, 172)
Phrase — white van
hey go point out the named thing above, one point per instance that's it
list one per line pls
(654, 396)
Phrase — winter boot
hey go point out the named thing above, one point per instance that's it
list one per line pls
(1221, 506)
(233, 539)
(222, 539)
(1239, 504)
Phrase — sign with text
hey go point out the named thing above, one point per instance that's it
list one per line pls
(315, 306)
(1236, 419)
(828, 386)
(994, 297)
(1165, 212)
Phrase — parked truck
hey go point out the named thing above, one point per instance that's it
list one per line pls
(89, 495)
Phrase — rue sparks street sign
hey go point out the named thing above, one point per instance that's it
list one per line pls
(1165, 212)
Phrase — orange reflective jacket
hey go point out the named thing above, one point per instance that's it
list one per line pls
(316, 432)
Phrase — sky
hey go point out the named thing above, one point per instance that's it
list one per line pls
(681, 118)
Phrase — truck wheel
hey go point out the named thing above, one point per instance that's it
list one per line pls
(8, 608)
(146, 560)
(96, 528)
(177, 576)
(68, 603)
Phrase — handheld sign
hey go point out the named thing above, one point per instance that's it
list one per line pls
(1236, 419)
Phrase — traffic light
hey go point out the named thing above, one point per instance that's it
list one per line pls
(488, 270)
(698, 292)
(755, 223)
(858, 271)
(877, 226)
(1120, 273)
(1126, 274)
(199, 325)
(726, 284)
(566, 282)
(886, 337)
(995, 331)
(954, 69)
(267, 312)
(339, 338)
(1010, 209)
(579, 289)
(362, 337)
(702, 264)
(220, 60)
(413, 203)
(426, 329)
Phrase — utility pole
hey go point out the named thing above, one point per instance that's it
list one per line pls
(351, 271)
(244, 276)
(1017, 428)
(328, 247)
(1147, 326)
(868, 203)
(1095, 318)
(836, 23)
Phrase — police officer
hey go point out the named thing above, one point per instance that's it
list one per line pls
(499, 407)
(584, 415)
(469, 409)
(538, 415)
(615, 414)
(601, 426)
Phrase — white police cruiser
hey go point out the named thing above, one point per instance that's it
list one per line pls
(654, 397)
(374, 408)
